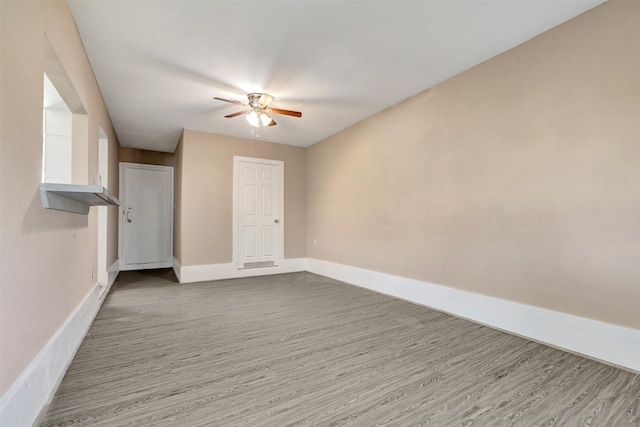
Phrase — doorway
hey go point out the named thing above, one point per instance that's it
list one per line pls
(258, 206)
(146, 216)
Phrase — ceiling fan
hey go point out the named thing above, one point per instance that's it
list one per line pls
(258, 113)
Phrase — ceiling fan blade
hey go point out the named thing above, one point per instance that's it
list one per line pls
(286, 112)
(237, 114)
(265, 99)
(233, 101)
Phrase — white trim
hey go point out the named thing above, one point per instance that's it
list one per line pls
(235, 242)
(177, 269)
(29, 396)
(201, 273)
(103, 234)
(113, 272)
(103, 212)
(112, 275)
(613, 344)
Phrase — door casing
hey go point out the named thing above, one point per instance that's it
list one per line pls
(236, 207)
(103, 213)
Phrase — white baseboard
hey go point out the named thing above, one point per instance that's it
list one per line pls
(177, 268)
(112, 275)
(201, 273)
(24, 402)
(609, 343)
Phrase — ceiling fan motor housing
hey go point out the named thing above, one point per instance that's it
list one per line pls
(259, 100)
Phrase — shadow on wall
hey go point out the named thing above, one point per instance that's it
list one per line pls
(38, 219)
(147, 157)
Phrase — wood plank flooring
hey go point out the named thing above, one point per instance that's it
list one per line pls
(301, 349)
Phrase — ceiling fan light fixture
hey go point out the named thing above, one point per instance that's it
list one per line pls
(258, 118)
(265, 119)
(258, 112)
(253, 118)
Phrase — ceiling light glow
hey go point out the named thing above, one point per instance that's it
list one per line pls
(253, 119)
(258, 118)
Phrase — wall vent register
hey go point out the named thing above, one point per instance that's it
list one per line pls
(260, 264)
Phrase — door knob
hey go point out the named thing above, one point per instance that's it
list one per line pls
(277, 221)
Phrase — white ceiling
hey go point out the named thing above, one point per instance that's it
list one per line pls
(160, 63)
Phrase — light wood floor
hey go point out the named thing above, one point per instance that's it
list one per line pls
(301, 349)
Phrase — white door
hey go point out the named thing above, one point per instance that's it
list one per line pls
(258, 212)
(146, 216)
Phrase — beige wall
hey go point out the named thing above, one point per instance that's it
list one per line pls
(207, 192)
(45, 256)
(147, 157)
(518, 179)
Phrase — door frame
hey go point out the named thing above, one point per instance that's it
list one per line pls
(122, 214)
(236, 208)
(103, 213)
